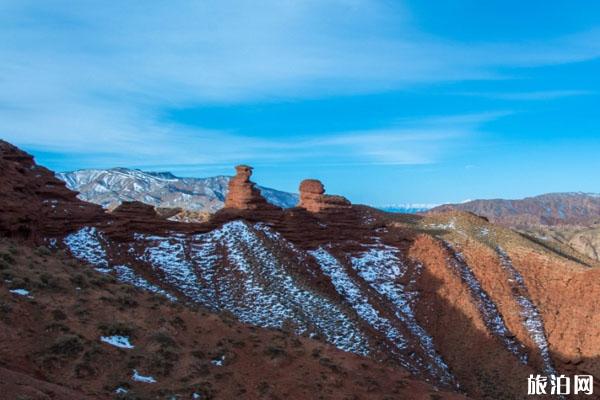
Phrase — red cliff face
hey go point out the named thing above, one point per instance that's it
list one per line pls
(314, 199)
(135, 210)
(243, 194)
(34, 202)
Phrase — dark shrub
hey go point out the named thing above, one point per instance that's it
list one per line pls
(59, 315)
(164, 340)
(117, 328)
(67, 345)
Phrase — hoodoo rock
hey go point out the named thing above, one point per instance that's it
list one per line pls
(243, 194)
(314, 199)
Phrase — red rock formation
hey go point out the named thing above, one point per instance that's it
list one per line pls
(314, 199)
(34, 202)
(135, 210)
(243, 194)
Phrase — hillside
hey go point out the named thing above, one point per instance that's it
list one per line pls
(566, 220)
(458, 302)
(69, 332)
(546, 210)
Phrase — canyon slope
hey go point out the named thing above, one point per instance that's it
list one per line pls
(464, 306)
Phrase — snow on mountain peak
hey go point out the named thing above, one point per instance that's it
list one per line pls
(110, 187)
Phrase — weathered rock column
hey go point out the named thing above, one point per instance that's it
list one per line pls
(243, 194)
(314, 199)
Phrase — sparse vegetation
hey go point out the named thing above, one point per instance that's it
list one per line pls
(5, 309)
(67, 345)
(275, 352)
(164, 340)
(59, 315)
(7, 258)
(43, 251)
(121, 328)
(126, 300)
(162, 361)
(48, 282)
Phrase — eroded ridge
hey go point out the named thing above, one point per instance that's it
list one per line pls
(489, 311)
(532, 320)
(352, 293)
(237, 268)
(381, 266)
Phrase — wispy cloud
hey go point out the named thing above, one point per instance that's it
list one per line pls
(81, 77)
(420, 141)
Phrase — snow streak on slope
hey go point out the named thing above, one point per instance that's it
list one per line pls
(238, 268)
(270, 295)
(126, 274)
(380, 266)
(532, 320)
(207, 260)
(86, 245)
(489, 312)
(167, 255)
(350, 290)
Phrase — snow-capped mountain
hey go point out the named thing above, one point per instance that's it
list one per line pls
(408, 208)
(109, 187)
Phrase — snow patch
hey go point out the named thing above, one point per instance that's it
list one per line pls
(117, 341)
(141, 378)
(85, 244)
(20, 292)
(450, 225)
(219, 361)
(168, 255)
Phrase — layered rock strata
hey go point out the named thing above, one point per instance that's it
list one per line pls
(243, 194)
(314, 199)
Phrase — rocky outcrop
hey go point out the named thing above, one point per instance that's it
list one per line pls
(243, 194)
(135, 210)
(314, 199)
(34, 202)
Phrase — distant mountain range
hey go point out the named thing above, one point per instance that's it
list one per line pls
(410, 208)
(571, 219)
(110, 187)
(550, 209)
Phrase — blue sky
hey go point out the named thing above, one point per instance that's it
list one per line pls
(384, 101)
